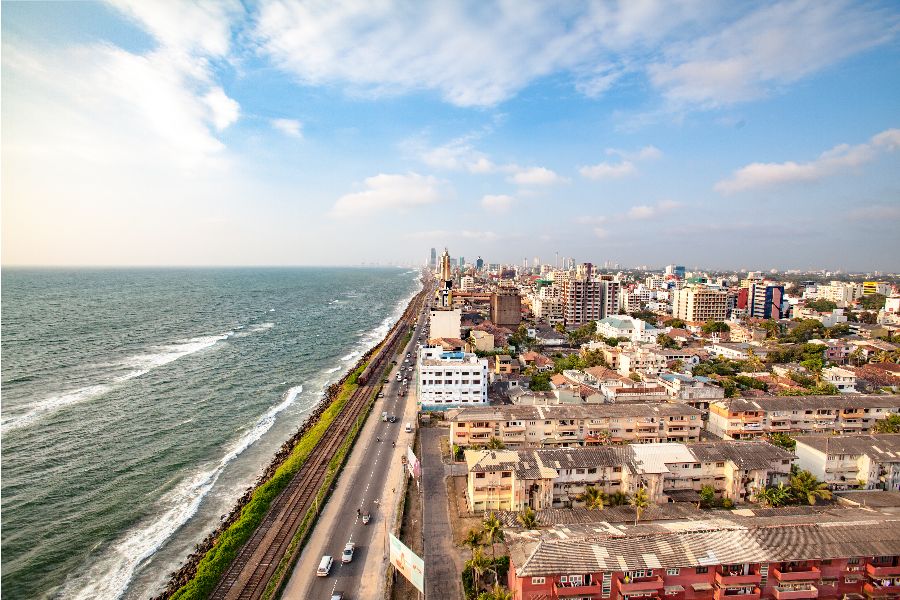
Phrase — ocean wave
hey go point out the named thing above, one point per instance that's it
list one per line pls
(140, 364)
(110, 576)
(334, 370)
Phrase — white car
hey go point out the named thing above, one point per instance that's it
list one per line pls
(347, 555)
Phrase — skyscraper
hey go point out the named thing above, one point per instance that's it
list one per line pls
(461, 262)
(479, 264)
(433, 262)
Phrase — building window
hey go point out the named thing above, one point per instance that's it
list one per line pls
(479, 475)
(537, 581)
(720, 464)
(700, 570)
(673, 571)
(853, 561)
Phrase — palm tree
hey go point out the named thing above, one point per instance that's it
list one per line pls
(478, 564)
(774, 495)
(618, 498)
(473, 541)
(593, 498)
(493, 528)
(528, 518)
(855, 356)
(639, 501)
(495, 444)
(498, 593)
(809, 489)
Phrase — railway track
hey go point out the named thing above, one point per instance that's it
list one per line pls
(250, 572)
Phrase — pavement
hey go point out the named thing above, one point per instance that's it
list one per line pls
(372, 478)
(442, 565)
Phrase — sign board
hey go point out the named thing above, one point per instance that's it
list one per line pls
(406, 561)
(412, 463)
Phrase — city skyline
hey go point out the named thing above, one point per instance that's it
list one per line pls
(758, 136)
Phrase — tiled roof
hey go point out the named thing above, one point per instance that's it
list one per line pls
(571, 411)
(607, 547)
(769, 403)
(880, 446)
(749, 454)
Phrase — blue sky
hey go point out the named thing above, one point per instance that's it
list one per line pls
(724, 135)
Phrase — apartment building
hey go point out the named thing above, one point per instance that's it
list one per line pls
(585, 301)
(550, 309)
(638, 359)
(699, 304)
(553, 478)
(841, 293)
(877, 287)
(634, 330)
(694, 391)
(843, 379)
(845, 553)
(766, 301)
(447, 379)
(852, 461)
(574, 425)
(746, 418)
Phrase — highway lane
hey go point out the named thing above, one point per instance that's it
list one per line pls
(369, 491)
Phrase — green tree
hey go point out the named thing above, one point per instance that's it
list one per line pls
(869, 318)
(528, 518)
(806, 488)
(540, 382)
(665, 341)
(618, 498)
(774, 496)
(821, 305)
(872, 302)
(493, 529)
(479, 564)
(715, 327)
(676, 323)
(495, 444)
(497, 593)
(806, 330)
(783, 440)
(891, 424)
(678, 365)
(593, 498)
(839, 330)
(639, 501)
(753, 363)
(635, 377)
(707, 496)
(473, 541)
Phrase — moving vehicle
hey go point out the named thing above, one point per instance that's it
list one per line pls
(337, 596)
(324, 566)
(384, 416)
(366, 517)
(347, 555)
(409, 428)
(392, 419)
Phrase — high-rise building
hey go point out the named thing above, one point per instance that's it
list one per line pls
(584, 271)
(877, 287)
(433, 263)
(479, 264)
(585, 301)
(506, 308)
(699, 304)
(765, 301)
(461, 262)
(445, 281)
(676, 271)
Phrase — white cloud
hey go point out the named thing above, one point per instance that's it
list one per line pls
(388, 192)
(536, 176)
(693, 53)
(830, 162)
(645, 153)
(467, 234)
(224, 110)
(767, 48)
(499, 203)
(607, 170)
(600, 232)
(289, 127)
(591, 220)
(651, 211)
(456, 155)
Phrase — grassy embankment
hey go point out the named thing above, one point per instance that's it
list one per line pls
(216, 561)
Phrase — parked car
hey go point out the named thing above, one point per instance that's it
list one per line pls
(324, 566)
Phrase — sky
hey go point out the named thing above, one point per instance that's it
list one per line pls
(725, 135)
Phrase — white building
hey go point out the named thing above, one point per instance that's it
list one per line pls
(448, 379)
(445, 323)
(852, 461)
(467, 283)
(841, 293)
(843, 379)
(635, 330)
(699, 304)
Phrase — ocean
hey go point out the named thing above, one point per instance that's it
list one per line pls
(139, 404)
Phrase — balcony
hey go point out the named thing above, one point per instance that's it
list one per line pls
(564, 590)
(727, 579)
(852, 425)
(648, 584)
(797, 574)
(736, 594)
(481, 429)
(880, 571)
(514, 428)
(795, 592)
(874, 590)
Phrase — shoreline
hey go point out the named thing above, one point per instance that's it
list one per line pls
(188, 569)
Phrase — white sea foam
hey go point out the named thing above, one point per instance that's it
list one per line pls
(110, 575)
(140, 364)
(334, 370)
(261, 327)
(351, 356)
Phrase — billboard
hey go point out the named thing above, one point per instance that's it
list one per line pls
(412, 463)
(406, 561)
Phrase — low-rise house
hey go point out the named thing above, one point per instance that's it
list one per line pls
(574, 425)
(846, 553)
(622, 326)
(694, 391)
(747, 418)
(480, 340)
(536, 361)
(547, 336)
(843, 379)
(640, 360)
(736, 351)
(852, 461)
(639, 392)
(505, 365)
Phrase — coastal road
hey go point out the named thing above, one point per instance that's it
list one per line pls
(369, 481)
